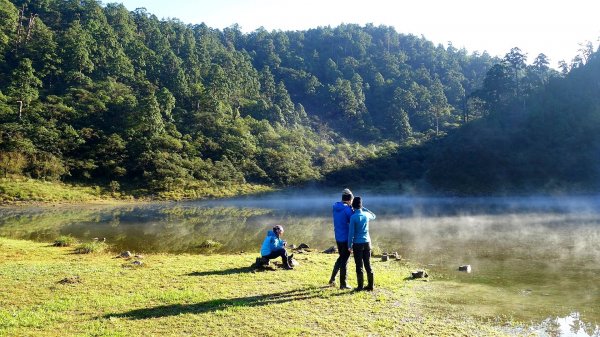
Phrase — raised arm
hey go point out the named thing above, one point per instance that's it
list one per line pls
(370, 215)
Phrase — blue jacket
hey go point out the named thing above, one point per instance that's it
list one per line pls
(271, 243)
(359, 226)
(341, 219)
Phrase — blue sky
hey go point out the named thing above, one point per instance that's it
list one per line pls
(555, 28)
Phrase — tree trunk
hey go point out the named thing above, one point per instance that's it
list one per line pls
(20, 108)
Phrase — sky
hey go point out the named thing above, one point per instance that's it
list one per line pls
(555, 28)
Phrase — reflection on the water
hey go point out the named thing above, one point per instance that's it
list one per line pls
(148, 228)
(569, 326)
(532, 258)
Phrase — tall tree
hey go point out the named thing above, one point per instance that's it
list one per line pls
(76, 52)
(516, 59)
(8, 18)
(439, 106)
(398, 118)
(24, 85)
(497, 87)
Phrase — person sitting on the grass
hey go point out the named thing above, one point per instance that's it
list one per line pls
(273, 247)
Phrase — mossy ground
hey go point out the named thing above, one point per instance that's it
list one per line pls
(213, 295)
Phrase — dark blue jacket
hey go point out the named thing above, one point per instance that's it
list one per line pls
(359, 226)
(341, 219)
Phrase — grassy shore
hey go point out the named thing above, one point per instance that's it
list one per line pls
(19, 190)
(23, 190)
(214, 295)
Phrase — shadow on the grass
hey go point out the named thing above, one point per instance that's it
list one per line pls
(230, 271)
(222, 304)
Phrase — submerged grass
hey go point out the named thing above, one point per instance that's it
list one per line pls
(216, 295)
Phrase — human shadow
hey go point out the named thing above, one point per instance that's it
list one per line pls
(220, 304)
(230, 271)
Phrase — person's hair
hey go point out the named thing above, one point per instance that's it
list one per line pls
(278, 228)
(346, 195)
(357, 203)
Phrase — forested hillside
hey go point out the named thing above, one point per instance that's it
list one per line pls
(545, 141)
(537, 131)
(98, 94)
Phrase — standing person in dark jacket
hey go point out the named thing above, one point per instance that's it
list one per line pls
(342, 211)
(273, 247)
(359, 242)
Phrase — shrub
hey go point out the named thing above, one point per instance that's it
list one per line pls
(114, 186)
(91, 247)
(64, 241)
(210, 244)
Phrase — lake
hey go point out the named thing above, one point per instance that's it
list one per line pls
(535, 259)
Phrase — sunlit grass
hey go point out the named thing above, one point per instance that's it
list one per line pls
(217, 295)
(17, 190)
(31, 190)
(201, 190)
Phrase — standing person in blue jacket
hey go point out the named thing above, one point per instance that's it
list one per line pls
(359, 242)
(273, 247)
(342, 211)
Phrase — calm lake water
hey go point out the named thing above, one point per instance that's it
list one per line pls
(533, 259)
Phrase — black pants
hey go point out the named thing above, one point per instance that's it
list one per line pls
(277, 253)
(362, 256)
(341, 263)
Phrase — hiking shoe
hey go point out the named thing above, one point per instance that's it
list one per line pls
(332, 284)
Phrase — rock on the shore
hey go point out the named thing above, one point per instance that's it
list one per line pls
(261, 263)
(419, 274)
(125, 255)
(466, 268)
(330, 250)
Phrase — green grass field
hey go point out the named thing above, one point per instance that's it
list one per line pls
(214, 295)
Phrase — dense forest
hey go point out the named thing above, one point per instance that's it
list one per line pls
(98, 94)
(547, 140)
(539, 131)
